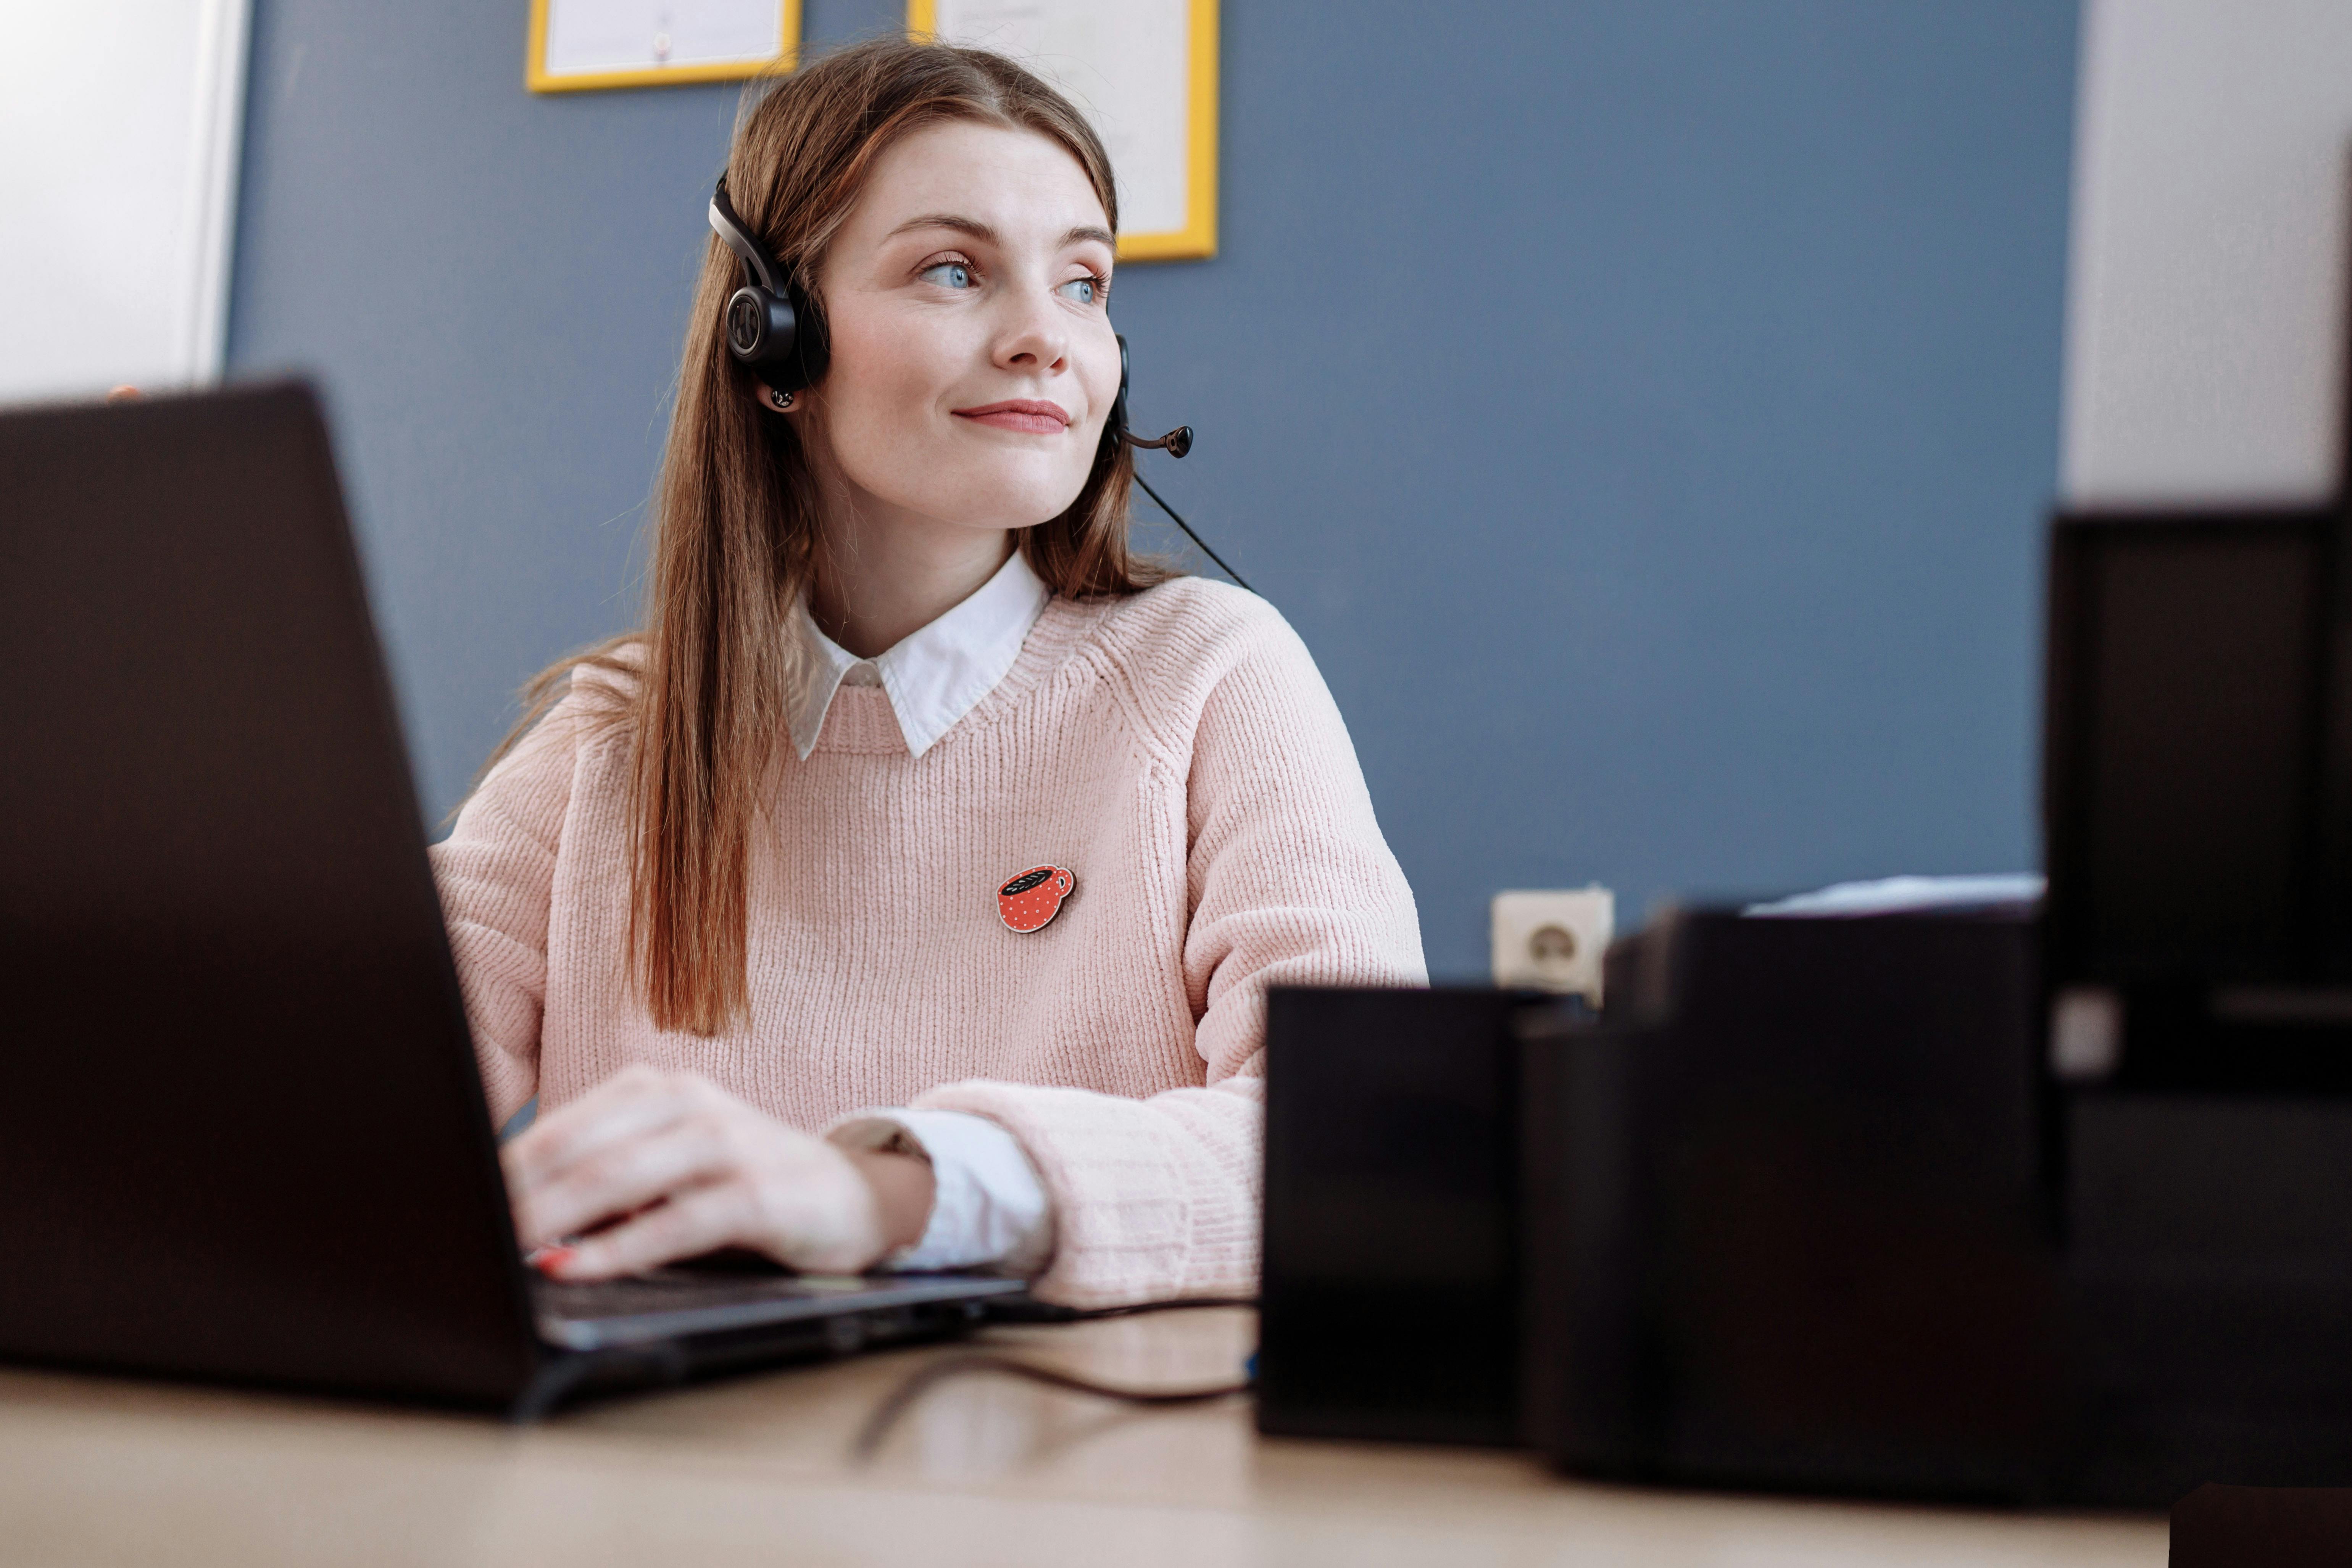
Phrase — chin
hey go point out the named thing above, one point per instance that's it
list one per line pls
(999, 499)
(1016, 517)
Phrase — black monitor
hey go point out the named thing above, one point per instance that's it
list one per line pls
(2197, 780)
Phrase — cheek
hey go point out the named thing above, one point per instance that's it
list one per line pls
(885, 380)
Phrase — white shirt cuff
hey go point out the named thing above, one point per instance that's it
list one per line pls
(987, 1207)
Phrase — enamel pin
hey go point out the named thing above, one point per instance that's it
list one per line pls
(1031, 900)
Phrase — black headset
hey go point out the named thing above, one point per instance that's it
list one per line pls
(772, 326)
(775, 330)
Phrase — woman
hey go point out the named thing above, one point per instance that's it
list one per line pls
(915, 790)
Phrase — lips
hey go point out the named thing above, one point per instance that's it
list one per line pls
(1029, 416)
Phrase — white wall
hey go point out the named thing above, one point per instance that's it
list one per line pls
(119, 143)
(2205, 305)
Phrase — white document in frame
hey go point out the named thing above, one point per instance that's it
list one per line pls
(590, 36)
(1126, 63)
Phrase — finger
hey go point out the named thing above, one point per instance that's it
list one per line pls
(621, 1178)
(700, 1220)
(630, 1105)
(632, 1100)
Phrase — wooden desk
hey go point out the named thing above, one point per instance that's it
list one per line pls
(983, 1470)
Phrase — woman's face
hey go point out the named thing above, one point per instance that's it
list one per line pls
(973, 363)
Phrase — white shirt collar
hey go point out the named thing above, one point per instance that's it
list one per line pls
(932, 677)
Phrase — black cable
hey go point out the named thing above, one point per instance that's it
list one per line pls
(1023, 1310)
(886, 1414)
(1189, 534)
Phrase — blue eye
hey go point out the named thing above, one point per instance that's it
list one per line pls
(948, 275)
(1079, 290)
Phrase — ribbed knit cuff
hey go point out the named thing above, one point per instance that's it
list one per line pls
(1152, 1198)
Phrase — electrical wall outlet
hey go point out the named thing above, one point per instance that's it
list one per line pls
(1554, 941)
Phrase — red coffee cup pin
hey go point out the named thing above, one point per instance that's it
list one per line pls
(1031, 900)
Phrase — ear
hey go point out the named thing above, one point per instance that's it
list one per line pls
(770, 401)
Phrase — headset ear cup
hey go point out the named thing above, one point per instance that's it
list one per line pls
(764, 333)
(755, 326)
(1115, 427)
(1118, 421)
(771, 326)
(812, 345)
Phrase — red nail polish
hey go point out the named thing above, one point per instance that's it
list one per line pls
(551, 1260)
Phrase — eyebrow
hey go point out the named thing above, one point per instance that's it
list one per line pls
(987, 236)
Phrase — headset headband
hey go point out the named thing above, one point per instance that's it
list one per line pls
(729, 227)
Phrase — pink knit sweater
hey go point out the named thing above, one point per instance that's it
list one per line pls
(1177, 750)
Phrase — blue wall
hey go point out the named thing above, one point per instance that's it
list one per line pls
(1645, 410)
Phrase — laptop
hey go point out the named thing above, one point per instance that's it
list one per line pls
(241, 1135)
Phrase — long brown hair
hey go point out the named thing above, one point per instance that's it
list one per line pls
(736, 519)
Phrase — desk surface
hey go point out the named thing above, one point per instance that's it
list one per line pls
(983, 1469)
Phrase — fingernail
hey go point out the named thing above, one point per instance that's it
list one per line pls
(553, 1260)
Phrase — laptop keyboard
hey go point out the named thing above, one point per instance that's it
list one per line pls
(678, 1290)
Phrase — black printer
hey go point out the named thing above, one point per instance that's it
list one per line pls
(2042, 1202)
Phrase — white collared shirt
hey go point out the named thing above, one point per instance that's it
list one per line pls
(935, 676)
(989, 1210)
(988, 1207)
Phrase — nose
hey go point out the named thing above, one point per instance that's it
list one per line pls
(1035, 339)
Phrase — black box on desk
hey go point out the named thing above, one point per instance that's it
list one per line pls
(1391, 1293)
(1785, 1220)
(1809, 1211)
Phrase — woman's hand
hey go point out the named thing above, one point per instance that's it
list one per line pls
(670, 1166)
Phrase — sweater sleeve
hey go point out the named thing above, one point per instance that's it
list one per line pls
(496, 873)
(1288, 882)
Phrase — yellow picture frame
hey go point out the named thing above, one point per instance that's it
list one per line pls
(537, 78)
(1197, 239)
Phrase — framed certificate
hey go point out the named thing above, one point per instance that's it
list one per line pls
(577, 45)
(1145, 71)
